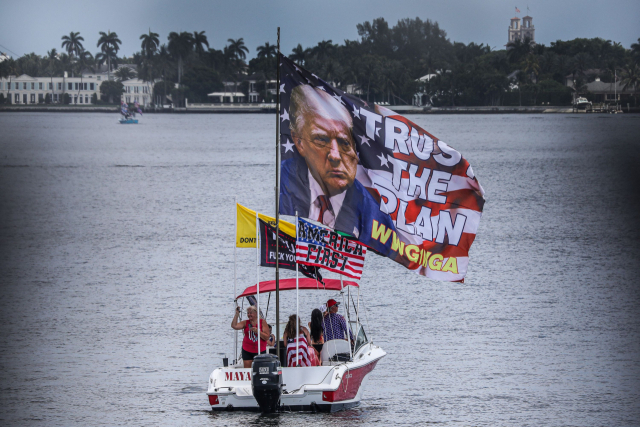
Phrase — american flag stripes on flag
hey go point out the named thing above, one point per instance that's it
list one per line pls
(392, 185)
(322, 247)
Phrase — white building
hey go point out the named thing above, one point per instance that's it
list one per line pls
(521, 31)
(136, 90)
(33, 90)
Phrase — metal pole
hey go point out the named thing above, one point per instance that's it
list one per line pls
(235, 278)
(297, 315)
(358, 307)
(258, 277)
(348, 320)
(278, 198)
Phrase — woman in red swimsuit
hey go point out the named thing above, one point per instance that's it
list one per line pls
(250, 341)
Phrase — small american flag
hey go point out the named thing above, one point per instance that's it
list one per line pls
(517, 10)
(322, 247)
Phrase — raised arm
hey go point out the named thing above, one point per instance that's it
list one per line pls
(235, 324)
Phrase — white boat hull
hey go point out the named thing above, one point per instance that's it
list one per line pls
(328, 388)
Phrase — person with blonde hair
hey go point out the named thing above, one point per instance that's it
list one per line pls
(250, 341)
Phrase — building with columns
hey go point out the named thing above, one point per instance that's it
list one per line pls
(521, 30)
(25, 89)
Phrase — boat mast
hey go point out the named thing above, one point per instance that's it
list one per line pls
(278, 198)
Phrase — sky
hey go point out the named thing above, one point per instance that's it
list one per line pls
(38, 25)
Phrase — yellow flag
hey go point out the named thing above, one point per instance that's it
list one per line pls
(246, 226)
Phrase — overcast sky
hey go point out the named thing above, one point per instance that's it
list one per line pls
(37, 25)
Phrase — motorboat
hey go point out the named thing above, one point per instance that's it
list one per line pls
(582, 103)
(335, 385)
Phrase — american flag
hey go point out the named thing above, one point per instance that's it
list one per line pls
(517, 10)
(323, 247)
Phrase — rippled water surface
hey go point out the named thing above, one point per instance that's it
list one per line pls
(116, 271)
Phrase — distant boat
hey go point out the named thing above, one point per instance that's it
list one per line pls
(583, 103)
(128, 121)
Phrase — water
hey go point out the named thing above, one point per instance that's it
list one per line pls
(116, 265)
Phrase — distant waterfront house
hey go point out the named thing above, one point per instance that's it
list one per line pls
(599, 91)
(422, 97)
(25, 89)
(137, 90)
(226, 97)
(247, 89)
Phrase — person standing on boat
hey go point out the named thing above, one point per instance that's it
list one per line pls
(334, 326)
(250, 341)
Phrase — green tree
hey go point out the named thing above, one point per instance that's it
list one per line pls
(267, 50)
(110, 90)
(518, 49)
(180, 46)
(73, 44)
(199, 41)
(238, 53)
(150, 43)
(298, 54)
(124, 73)
(109, 44)
(199, 81)
(631, 79)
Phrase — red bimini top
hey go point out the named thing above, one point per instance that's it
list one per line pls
(290, 284)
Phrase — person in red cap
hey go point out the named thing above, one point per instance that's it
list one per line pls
(334, 327)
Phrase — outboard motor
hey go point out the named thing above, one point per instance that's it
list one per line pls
(266, 381)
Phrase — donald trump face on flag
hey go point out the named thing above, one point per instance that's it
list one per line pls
(319, 180)
(321, 132)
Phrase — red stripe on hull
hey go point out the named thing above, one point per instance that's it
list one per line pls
(349, 384)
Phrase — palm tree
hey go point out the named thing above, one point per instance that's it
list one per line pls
(238, 52)
(85, 61)
(200, 40)
(298, 54)
(109, 44)
(164, 62)
(52, 62)
(124, 73)
(267, 51)
(180, 45)
(532, 66)
(238, 49)
(150, 43)
(73, 44)
(635, 48)
(518, 49)
(631, 78)
(323, 49)
(108, 56)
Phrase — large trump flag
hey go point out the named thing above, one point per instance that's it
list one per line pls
(369, 172)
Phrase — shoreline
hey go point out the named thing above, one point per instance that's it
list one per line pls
(245, 109)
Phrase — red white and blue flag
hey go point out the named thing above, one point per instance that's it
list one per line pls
(321, 247)
(366, 171)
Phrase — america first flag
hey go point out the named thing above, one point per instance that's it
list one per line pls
(323, 247)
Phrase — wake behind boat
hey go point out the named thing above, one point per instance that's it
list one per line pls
(338, 383)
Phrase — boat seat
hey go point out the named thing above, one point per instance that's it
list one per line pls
(335, 351)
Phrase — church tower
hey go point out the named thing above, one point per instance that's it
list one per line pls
(521, 30)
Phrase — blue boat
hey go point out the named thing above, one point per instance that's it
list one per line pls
(128, 121)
